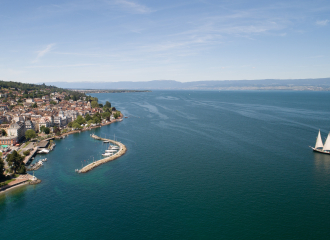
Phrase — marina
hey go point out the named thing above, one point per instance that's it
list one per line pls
(110, 154)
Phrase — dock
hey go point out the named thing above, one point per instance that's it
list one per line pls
(32, 153)
(122, 150)
(35, 166)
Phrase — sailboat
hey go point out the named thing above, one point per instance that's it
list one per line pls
(319, 147)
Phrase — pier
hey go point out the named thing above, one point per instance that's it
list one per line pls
(122, 150)
(28, 158)
(35, 166)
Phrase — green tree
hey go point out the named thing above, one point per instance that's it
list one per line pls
(76, 125)
(29, 134)
(53, 102)
(2, 165)
(3, 132)
(97, 118)
(107, 104)
(34, 105)
(57, 131)
(16, 163)
(106, 115)
(21, 169)
(70, 124)
(94, 104)
(42, 128)
(46, 130)
(26, 153)
(117, 114)
(80, 120)
(88, 117)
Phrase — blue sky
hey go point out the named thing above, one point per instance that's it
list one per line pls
(143, 40)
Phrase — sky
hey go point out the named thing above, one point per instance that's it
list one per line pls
(144, 40)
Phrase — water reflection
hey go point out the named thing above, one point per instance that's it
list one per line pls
(322, 163)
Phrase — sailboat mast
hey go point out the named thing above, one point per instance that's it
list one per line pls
(326, 146)
(319, 143)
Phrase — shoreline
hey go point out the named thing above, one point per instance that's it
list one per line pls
(21, 180)
(87, 129)
(87, 168)
(11, 188)
(122, 150)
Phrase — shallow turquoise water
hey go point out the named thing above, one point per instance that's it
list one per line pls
(199, 165)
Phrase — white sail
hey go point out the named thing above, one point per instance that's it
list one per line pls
(319, 143)
(326, 146)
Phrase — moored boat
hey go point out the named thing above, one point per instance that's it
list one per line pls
(43, 151)
(106, 154)
(110, 151)
(113, 147)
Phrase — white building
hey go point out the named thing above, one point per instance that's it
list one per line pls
(16, 130)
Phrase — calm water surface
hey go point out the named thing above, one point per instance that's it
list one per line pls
(200, 165)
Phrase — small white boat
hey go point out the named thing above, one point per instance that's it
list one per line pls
(44, 160)
(107, 154)
(110, 151)
(43, 151)
(113, 147)
(106, 141)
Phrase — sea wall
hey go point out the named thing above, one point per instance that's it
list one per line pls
(122, 150)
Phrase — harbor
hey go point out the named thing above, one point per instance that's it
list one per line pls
(110, 155)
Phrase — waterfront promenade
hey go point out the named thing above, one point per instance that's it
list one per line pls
(122, 150)
(19, 181)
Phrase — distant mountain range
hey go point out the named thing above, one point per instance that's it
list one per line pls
(320, 84)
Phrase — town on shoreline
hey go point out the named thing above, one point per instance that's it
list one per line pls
(31, 116)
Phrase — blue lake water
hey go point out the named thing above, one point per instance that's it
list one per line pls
(199, 165)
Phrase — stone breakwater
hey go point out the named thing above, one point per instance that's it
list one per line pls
(122, 150)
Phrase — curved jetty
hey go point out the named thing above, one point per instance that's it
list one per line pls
(121, 151)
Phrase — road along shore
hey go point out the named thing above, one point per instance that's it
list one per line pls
(122, 150)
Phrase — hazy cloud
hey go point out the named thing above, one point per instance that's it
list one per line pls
(133, 6)
(323, 22)
(62, 66)
(44, 52)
